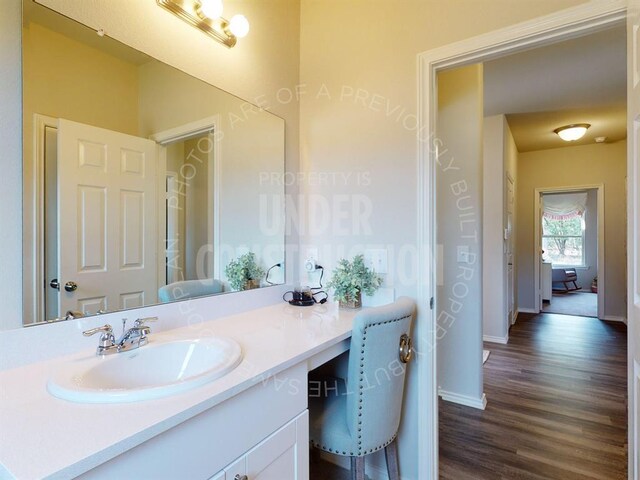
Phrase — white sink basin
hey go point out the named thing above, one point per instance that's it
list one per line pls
(152, 371)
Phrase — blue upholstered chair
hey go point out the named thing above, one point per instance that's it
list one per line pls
(360, 414)
(189, 289)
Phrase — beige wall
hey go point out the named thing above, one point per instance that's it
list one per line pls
(459, 223)
(197, 211)
(372, 45)
(500, 159)
(573, 166)
(64, 78)
(175, 161)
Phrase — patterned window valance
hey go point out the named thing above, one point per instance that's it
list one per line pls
(564, 206)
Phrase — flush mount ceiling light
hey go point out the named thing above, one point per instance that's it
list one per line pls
(573, 132)
(206, 15)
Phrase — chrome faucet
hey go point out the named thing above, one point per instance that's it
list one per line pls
(135, 337)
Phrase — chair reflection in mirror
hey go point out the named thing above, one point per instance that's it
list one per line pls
(189, 289)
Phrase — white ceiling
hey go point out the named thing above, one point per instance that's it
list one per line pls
(577, 81)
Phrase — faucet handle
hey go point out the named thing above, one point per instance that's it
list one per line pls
(142, 321)
(105, 329)
(106, 339)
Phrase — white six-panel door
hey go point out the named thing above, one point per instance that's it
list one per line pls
(107, 219)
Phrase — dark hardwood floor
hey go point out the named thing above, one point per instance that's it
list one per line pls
(557, 406)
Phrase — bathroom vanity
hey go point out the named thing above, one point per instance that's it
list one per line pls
(252, 421)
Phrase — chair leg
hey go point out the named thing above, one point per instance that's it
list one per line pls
(314, 455)
(391, 454)
(357, 468)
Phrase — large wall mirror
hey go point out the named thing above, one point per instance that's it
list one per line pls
(142, 184)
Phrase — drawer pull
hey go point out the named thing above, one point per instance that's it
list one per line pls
(238, 477)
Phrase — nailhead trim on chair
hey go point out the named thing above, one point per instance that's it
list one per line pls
(364, 338)
(351, 454)
(385, 444)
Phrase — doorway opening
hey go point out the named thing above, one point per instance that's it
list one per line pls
(581, 21)
(570, 237)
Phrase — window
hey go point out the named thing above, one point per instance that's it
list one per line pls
(563, 240)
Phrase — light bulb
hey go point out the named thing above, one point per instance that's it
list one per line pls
(239, 26)
(211, 8)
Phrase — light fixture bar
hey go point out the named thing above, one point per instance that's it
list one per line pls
(187, 11)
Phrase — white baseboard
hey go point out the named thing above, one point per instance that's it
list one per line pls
(467, 401)
(489, 338)
(373, 470)
(613, 318)
(527, 310)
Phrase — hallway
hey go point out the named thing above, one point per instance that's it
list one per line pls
(556, 409)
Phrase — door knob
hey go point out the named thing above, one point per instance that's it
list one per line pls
(71, 286)
(55, 284)
(240, 477)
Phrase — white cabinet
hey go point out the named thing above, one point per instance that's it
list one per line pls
(236, 437)
(282, 455)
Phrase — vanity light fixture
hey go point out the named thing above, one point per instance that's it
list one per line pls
(573, 132)
(206, 15)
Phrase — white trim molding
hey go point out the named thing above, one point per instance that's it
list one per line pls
(615, 318)
(36, 278)
(210, 127)
(527, 310)
(490, 338)
(467, 401)
(566, 24)
(600, 272)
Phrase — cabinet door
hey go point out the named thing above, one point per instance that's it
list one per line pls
(275, 458)
(285, 454)
(218, 476)
(237, 470)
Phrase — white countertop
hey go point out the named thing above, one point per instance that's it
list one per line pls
(42, 436)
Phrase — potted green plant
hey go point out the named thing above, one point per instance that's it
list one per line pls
(350, 279)
(244, 273)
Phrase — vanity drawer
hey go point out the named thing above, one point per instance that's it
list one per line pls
(207, 443)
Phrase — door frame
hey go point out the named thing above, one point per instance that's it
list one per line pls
(37, 278)
(511, 319)
(209, 125)
(537, 293)
(171, 216)
(563, 25)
